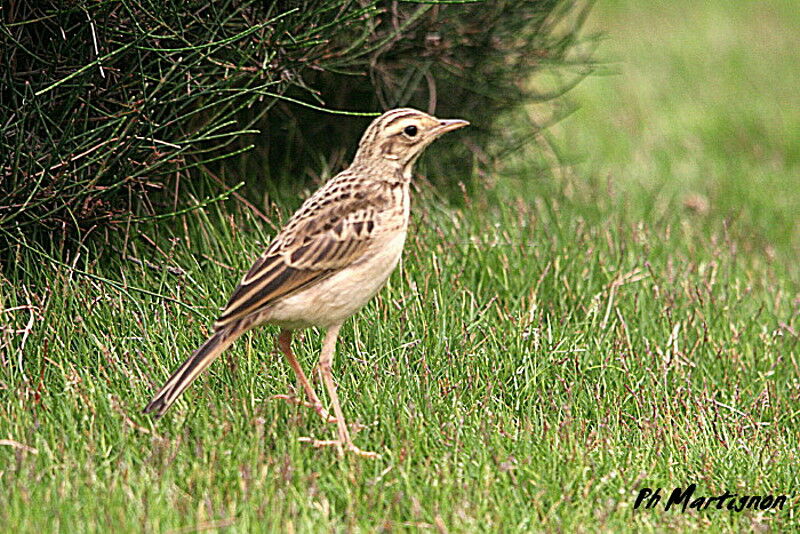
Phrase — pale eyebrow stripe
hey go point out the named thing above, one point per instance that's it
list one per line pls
(398, 115)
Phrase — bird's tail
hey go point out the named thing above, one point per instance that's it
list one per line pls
(189, 370)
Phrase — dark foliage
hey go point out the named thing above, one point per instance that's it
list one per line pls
(104, 102)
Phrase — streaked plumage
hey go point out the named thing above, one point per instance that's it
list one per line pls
(330, 258)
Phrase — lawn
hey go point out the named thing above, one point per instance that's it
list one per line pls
(553, 342)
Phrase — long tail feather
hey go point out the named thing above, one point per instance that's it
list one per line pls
(189, 370)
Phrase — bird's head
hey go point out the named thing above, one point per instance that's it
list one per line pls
(398, 137)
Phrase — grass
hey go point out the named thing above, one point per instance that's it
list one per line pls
(547, 349)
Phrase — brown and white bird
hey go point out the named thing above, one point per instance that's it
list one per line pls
(331, 258)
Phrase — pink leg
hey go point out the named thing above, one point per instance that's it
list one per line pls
(285, 344)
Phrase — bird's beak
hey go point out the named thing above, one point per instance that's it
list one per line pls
(449, 125)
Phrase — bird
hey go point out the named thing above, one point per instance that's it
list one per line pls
(330, 258)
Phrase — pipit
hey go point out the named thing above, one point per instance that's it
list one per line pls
(332, 256)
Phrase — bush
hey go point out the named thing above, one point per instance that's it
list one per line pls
(105, 102)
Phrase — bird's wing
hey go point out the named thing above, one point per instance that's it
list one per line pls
(330, 231)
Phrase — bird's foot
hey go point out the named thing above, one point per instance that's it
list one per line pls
(348, 447)
(318, 407)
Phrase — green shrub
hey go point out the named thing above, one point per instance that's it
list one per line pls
(103, 103)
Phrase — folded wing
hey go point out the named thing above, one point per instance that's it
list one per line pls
(321, 239)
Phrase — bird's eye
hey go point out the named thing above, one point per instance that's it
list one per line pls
(410, 131)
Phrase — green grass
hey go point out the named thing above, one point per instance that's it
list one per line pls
(547, 348)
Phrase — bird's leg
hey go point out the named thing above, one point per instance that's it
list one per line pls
(325, 361)
(285, 344)
(316, 378)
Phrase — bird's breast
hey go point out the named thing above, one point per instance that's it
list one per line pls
(334, 299)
